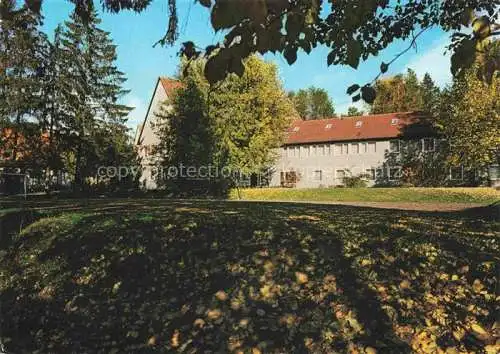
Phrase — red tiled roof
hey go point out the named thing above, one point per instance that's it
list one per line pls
(359, 128)
(25, 147)
(169, 85)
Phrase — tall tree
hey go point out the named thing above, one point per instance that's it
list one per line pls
(300, 100)
(413, 93)
(23, 48)
(198, 127)
(91, 89)
(312, 103)
(53, 115)
(469, 115)
(430, 94)
(390, 95)
(400, 93)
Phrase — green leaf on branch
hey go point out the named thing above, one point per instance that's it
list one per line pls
(227, 14)
(368, 94)
(384, 67)
(294, 24)
(236, 66)
(34, 5)
(353, 53)
(466, 16)
(353, 89)
(215, 68)
(290, 55)
(188, 50)
(256, 10)
(464, 56)
(206, 3)
(330, 58)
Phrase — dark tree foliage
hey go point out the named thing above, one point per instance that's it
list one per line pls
(22, 51)
(354, 30)
(430, 94)
(91, 86)
(59, 100)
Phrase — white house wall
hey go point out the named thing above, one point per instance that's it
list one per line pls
(149, 138)
(329, 159)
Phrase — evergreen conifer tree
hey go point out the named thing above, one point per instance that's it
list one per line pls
(22, 51)
(91, 86)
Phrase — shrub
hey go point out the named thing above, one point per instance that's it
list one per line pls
(355, 181)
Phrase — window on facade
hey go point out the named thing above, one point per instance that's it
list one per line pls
(457, 173)
(394, 146)
(345, 149)
(428, 144)
(305, 151)
(318, 175)
(297, 151)
(379, 173)
(394, 173)
(359, 124)
(355, 148)
(372, 148)
(364, 148)
(370, 173)
(288, 179)
(338, 149)
(494, 173)
(329, 126)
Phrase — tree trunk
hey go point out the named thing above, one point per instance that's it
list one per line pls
(77, 187)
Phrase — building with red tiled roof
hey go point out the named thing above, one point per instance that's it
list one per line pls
(319, 153)
(170, 85)
(380, 126)
(16, 149)
(322, 152)
(146, 138)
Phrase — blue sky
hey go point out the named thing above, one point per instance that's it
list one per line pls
(135, 34)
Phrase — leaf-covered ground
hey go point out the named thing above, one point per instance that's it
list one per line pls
(164, 276)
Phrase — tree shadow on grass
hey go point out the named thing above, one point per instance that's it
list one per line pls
(204, 276)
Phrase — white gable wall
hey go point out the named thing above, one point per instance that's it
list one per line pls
(148, 139)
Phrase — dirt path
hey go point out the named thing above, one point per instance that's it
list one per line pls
(414, 206)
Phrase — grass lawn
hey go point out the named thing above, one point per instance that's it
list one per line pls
(147, 276)
(427, 195)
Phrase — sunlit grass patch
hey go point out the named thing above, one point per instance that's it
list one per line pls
(439, 195)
